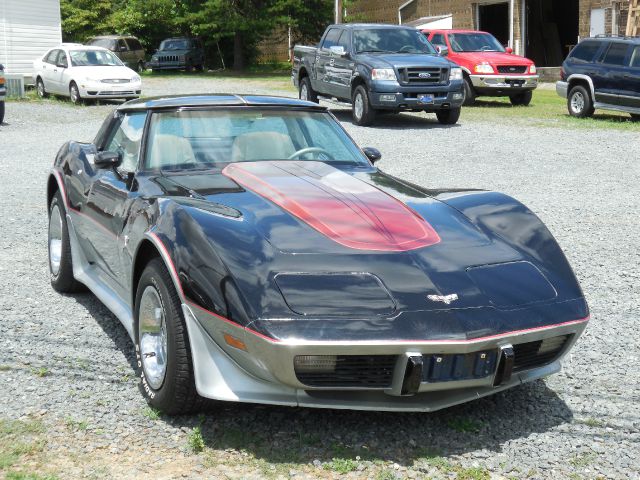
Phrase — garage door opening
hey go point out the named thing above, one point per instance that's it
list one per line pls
(552, 30)
(494, 18)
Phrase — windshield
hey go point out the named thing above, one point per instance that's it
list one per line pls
(211, 139)
(93, 58)
(175, 44)
(391, 40)
(103, 42)
(474, 42)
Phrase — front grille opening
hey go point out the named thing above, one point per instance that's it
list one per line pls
(539, 353)
(344, 371)
(512, 68)
(423, 75)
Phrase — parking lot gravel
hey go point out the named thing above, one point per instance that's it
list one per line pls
(66, 364)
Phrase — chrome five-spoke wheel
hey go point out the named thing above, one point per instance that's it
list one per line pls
(55, 240)
(153, 337)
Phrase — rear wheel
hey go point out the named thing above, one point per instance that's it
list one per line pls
(522, 99)
(1, 112)
(449, 116)
(162, 345)
(60, 261)
(579, 102)
(469, 92)
(74, 93)
(42, 93)
(362, 111)
(306, 92)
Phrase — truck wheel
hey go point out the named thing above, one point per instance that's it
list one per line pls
(306, 91)
(163, 352)
(1, 112)
(449, 116)
(579, 102)
(363, 113)
(469, 93)
(523, 99)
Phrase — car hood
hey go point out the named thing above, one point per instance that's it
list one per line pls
(102, 72)
(400, 60)
(495, 58)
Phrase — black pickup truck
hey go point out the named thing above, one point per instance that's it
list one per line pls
(379, 67)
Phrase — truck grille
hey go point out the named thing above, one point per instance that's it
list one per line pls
(169, 58)
(359, 371)
(539, 353)
(512, 69)
(423, 75)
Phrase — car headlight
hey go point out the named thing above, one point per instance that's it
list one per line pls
(383, 74)
(533, 69)
(483, 68)
(135, 79)
(92, 80)
(455, 74)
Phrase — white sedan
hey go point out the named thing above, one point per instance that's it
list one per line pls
(84, 72)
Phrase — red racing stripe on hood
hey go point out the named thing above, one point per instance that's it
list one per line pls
(338, 205)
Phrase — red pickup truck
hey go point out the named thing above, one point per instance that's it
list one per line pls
(489, 69)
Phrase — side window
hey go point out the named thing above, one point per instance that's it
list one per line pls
(331, 39)
(134, 44)
(126, 140)
(344, 41)
(585, 51)
(438, 39)
(616, 54)
(62, 59)
(635, 58)
(52, 57)
(121, 46)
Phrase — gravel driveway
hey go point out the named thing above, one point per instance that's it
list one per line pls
(67, 384)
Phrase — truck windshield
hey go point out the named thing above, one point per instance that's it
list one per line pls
(175, 44)
(474, 42)
(391, 40)
(211, 139)
(93, 58)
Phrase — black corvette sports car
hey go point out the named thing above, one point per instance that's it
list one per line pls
(254, 253)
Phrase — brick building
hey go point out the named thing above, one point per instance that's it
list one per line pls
(543, 30)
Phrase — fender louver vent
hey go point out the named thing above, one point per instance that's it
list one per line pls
(350, 371)
(539, 353)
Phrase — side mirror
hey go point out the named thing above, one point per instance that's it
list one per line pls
(107, 159)
(442, 50)
(338, 50)
(509, 50)
(61, 65)
(373, 154)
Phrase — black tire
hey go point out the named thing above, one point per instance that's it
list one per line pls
(579, 102)
(363, 113)
(188, 68)
(1, 112)
(62, 281)
(177, 394)
(74, 93)
(200, 68)
(522, 99)
(449, 116)
(306, 92)
(42, 92)
(634, 117)
(141, 68)
(469, 92)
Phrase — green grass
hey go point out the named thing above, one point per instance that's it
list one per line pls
(151, 413)
(341, 465)
(74, 424)
(40, 371)
(195, 441)
(29, 476)
(547, 109)
(19, 440)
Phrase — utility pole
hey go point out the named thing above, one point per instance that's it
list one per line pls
(338, 11)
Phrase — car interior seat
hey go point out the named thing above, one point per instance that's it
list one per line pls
(261, 146)
(170, 151)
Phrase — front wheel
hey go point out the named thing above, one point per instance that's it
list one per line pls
(579, 102)
(362, 111)
(60, 261)
(1, 112)
(522, 99)
(42, 93)
(74, 93)
(449, 116)
(162, 344)
(469, 92)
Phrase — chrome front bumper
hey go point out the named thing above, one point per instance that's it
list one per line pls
(504, 81)
(264, 372)
(562, 88)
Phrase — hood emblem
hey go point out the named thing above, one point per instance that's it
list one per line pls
(424, 75)
(446, 299)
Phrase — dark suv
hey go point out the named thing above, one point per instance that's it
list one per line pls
(602, 72)
(180, 53)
